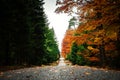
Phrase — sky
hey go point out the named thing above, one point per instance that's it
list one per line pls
(58, 21)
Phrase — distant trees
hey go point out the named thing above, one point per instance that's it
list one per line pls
(99, 29)
(67, 42)
(23, 30)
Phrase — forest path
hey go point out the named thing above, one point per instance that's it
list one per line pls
(60, 73)
(62, 62)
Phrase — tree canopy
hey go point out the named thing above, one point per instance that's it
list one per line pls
(99, 28)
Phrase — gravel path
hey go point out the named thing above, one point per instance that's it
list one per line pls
(60, 73)
(62, 62)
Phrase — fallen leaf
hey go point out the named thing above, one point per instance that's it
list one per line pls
(87, 73)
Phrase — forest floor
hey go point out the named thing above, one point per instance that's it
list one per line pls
(57, 71)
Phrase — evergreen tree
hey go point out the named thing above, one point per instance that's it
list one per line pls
(51, 45)
(23, 33)
(14, 31)
(74, 57)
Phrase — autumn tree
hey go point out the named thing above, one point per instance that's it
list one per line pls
(100, 24)
(93, 12)
(67, 42)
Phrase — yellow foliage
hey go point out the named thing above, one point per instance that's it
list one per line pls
(90, 47)
(90, 28)
(97, 40)
(94, 50)
(113, 36)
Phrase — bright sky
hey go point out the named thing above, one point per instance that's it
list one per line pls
(58, 21)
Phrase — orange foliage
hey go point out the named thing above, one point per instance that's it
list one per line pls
(93, 12)
(93, 59)
(110, 46)
(67, 42)
(100, 23)
(94, 50)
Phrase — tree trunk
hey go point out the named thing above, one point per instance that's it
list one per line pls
(118, 41)
(102, 55)
(7, 54)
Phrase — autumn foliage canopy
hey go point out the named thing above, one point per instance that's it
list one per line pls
(99, 29)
